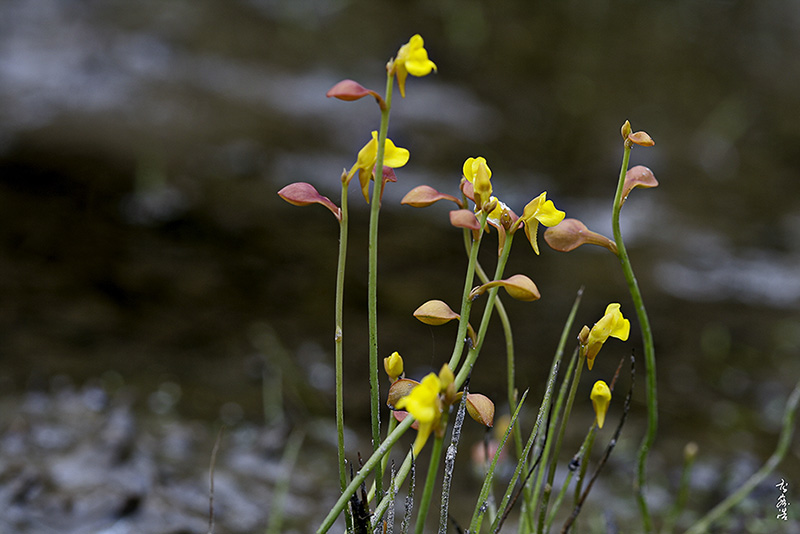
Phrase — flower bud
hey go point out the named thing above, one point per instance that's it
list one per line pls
(641, 139)
(435, 313)
(399, 389)
(601, 397)
(569, 234)
(305, 194)
(519, 287)
(425, 195)
(464, 219)
(638, 176)
(481, 409)
(350, 90)
(393, 366)
(626, 130)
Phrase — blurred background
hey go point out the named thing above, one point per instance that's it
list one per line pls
(143, 247)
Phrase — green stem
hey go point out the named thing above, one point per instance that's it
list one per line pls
(430, 479)
(472, 355)
(371, 464)
(466, 303)
(340, 269)
(573, 390)
(649, 350)
(784, 440)
(372, 283)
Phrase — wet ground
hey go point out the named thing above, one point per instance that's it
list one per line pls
(154, 286)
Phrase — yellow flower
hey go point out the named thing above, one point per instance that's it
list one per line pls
(412, 58)
(478, 173)
(601, 397)
(393, 157)
(424, 404)
(540, 210)
(612, 324)
(393, 365)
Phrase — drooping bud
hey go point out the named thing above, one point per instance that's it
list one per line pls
(399, 389)
(305, 194)
(641, 138)
(424, 195)
(480, 408)
(638, 176)
(519, 287)
(435, 313)
(569, 234)
(393, 365)
(464, 219)
(601, 397)
(349, 90)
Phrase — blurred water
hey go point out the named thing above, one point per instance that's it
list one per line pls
(141, 147)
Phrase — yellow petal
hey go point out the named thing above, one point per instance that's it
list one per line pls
(394, 156)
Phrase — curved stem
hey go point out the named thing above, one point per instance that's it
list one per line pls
(372, 284)
(649, 351)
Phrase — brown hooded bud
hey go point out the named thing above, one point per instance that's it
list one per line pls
(400, 389)
(349, 90)
(519, 287)
(305, 194)
(638, 176)
(569, 234)
(424, 195)
(435, 313)
(641, 139)
(480, 408)
(464, 219)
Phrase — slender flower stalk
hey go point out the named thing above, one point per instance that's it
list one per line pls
(338, 356)
(368, 467)
(473, 353)
(466, 301)
(372, 283)
(649, 349)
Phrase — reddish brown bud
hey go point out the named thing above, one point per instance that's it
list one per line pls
(641, 139)
(425, 195)
(350, 90)
(569, 234)
(638, 176)
(464, 219)
(305, 194)
(399, 389)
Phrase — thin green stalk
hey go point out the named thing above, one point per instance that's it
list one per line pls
(543, 409)
(472, 355)
(573, 390)
(466, 303)
(365, 470)
(784, 440)
(288, 461)
(372, 283)
(579, 458)
(475, 523)
(430, 480)
(338, 357)
(649, 349)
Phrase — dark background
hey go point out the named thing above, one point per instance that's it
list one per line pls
(142, 241)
